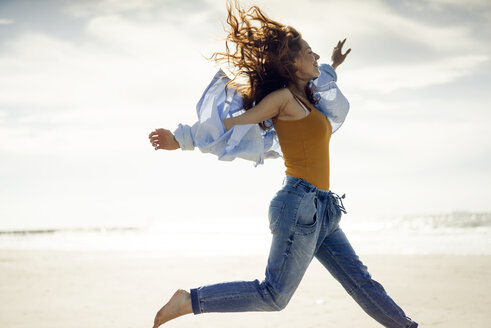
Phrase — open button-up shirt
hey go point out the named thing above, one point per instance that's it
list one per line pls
(249, 141)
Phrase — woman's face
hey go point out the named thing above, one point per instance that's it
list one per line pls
(306, 62)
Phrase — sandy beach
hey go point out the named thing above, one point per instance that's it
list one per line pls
(126, 289)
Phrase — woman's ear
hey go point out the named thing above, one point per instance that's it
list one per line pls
(296, 63)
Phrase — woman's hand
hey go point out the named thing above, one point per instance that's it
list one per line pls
(337, 57)
(163, 139)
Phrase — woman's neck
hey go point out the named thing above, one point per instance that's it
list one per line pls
(298, 89)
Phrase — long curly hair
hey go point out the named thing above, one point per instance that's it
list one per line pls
(264, 56)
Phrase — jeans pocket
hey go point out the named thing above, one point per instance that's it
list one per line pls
(306, 221)
(276, 208)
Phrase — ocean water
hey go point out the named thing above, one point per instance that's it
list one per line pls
(451, 233)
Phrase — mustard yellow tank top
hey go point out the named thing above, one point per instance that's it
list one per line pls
(305, 146)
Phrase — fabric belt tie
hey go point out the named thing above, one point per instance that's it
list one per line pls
(341, 207)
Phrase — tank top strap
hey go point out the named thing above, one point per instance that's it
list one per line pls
(300, 102)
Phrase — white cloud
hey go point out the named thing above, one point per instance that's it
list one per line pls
(460, 3)
(368, 24)
(155, 40)
(102, 7)
(5, 21)
(388, 78)
(56, 73)
(123, 75)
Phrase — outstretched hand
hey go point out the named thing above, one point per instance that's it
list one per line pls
(163, 139)
(337, 56)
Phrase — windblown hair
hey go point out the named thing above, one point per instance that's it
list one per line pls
(264, 55)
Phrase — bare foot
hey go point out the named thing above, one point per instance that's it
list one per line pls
(179, 304)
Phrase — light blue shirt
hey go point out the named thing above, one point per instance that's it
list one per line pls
(249, 141)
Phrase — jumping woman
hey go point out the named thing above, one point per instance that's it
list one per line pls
(288, 88)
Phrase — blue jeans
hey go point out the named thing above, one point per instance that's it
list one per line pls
(304, 222)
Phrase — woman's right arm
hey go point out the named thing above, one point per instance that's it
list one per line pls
(269, 107)
(243, 139)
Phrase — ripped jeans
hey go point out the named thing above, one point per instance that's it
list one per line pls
(304, 222)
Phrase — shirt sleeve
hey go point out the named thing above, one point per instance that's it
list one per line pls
(332, 102)
(208, 133)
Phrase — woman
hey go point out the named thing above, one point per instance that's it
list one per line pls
(288, 88)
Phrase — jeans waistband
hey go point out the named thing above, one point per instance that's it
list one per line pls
(308, 187)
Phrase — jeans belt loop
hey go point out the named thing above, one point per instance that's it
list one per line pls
(296, 183)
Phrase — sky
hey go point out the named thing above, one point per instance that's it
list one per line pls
(83, 83)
